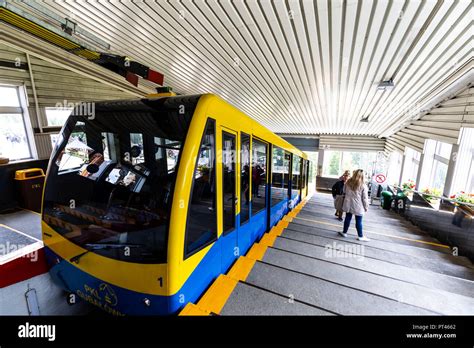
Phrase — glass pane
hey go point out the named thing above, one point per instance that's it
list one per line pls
(13, 137)
(280, 175)
(439, 175)
(228, 181)
(104, 202)
(201, 226)
(57, 116)
(259, 175)
(136, 148)
(303, 174)
(443, 149)
(9, 96)
(76, 152)
(332, 163)
(470, 179)
(296, 175)
(245, 178)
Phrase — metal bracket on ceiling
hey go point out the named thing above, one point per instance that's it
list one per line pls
(43, 17)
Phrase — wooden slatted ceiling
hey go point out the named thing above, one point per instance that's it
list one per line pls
(296, 66)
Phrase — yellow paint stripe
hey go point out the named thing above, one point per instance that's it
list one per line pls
(268, 240)
(257, 251)
(277, 231)
(382, 234)
(193, 310)
(216, 297)
(241, 268)
(219, 292)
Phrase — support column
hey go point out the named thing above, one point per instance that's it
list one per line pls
(319, 171)
(403, 168)
(420, 169)
(450, 173)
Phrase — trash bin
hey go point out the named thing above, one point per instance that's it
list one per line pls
(30, 184)
(400, 202)
(386, 199)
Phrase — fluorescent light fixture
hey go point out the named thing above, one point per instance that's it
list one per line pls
(386, 85)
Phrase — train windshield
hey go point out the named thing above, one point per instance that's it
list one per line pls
(111, 178)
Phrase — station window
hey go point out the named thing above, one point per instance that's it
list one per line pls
(464, 171)
(244, 177)
(280, 175)
(259, 175)
(332, 164)
(336, 162)
(411, 165)
(56, 117)
(394, 168)
(435, 164)
(201, 226)
(228, 181)
(16, 139)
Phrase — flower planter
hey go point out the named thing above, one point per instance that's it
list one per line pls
(467, 209)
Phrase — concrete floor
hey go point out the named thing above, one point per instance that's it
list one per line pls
(311, 270)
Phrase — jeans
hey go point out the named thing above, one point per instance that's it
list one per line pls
(347, 222)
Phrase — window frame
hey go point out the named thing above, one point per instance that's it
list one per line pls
(215, 237)
(226, 132)
(23, 110)
(241, 199)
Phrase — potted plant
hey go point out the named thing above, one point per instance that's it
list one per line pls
(463, 197)
(431, 195)
(408, 187)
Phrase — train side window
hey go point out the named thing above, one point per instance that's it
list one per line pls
(280, 175)
(259, 175)
(228, 181)
(201, 225)
(244, 178)
(303, 176)
(296, 175)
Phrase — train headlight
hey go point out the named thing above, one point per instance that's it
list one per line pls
(147, 302)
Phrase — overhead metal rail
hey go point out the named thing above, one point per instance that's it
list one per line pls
(63, 32)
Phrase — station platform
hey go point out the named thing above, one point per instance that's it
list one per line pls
(303, 267)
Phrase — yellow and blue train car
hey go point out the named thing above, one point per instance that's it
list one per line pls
(147, 201)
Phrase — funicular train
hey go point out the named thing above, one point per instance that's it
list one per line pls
(147, 201)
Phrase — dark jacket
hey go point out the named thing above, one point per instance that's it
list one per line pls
(337, 188)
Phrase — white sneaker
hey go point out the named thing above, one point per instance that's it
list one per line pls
(342, 234)
(363, 239)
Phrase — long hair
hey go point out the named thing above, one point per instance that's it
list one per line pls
(357, 180)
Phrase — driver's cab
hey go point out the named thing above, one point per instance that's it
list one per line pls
(111, 183)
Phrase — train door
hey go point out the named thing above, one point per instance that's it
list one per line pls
(229, 247)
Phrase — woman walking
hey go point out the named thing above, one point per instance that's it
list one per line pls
(337, 193)
(356, 202)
